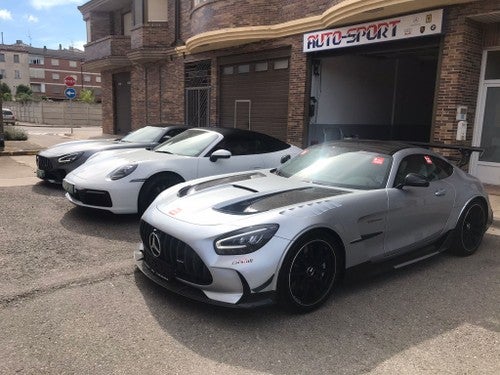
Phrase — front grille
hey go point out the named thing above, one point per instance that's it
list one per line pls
(178, 256)
(43, 163)
(93, 197)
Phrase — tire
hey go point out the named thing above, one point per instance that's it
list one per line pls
(470, 229)
(309, 272)
(153, 187)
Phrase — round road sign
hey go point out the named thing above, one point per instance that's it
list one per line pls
(70, 93)
(69, 81)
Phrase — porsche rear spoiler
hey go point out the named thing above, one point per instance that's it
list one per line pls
(465, 151)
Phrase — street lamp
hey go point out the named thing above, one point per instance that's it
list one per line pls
(2, 142)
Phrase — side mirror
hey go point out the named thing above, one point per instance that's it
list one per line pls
(165, 138)
(413, 179)
(220, 154)
(285, 158)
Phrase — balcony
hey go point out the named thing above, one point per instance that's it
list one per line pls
(107, 53)
(150, 42)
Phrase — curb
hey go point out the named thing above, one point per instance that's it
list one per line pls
(19, 152)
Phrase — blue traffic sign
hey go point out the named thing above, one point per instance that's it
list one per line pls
(70, 93)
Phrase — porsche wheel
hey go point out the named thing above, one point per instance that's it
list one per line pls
(470, 229)
(153, 187)
(309, 272)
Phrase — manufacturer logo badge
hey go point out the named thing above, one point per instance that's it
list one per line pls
(155, 244)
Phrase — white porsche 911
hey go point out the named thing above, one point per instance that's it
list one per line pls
(290, 234)
(125, 182)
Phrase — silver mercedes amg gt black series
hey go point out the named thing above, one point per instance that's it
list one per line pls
(289, 234)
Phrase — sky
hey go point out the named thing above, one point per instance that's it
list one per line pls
(42, 23)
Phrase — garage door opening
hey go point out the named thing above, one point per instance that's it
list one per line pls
(380, 92)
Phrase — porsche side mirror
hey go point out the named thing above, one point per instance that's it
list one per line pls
(285, 158)
(165, 138)
(220, 154)
(413, 179)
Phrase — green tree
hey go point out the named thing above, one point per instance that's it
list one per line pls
(5, 92)
(24, 93)
(87, 96)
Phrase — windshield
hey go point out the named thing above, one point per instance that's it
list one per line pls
(147, 134)
(192, 142)
(339, 166)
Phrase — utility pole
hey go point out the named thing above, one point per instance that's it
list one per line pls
(2, 134)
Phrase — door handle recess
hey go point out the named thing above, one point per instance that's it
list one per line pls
(440, 192)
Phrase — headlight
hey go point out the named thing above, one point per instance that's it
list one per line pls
(122, 171)
(245, 240)
(69, 158)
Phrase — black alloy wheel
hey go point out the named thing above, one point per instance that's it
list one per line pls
(470, 229)
(309, 273)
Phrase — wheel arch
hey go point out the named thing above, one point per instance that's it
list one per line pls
(155, 175)
(309, 231)
(480, 199)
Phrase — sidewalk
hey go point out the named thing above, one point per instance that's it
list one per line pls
(41, 137)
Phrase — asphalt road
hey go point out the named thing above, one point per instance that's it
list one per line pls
(71, 302)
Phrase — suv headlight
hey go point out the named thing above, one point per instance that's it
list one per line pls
(122, 171)
(245, 240)
(69, 158)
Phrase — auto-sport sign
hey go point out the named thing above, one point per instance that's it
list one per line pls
(421, 24)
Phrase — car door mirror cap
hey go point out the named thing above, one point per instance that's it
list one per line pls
(415, 180)
(220, 154)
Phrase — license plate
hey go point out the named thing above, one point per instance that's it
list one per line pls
(70, 188)
(40, 173)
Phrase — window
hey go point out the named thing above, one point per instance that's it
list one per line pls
(492, 65)
(17, 74)
(37, 73)
(98, 79)
(245, 68)
(3, 73)
(261, 66)
(55, 76)
(228, 70)
(127, 24)
(87, 78)
(281, 64)
(36, 60)
(2, 57)
(72, 64)
(55, 62)
(429, 167)
(16, 59)
(157, 10)
(88, 30)
(36, 87)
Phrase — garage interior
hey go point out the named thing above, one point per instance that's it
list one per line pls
(384, 91)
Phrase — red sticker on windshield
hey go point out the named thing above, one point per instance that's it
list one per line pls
(378, 160)
(428, 160)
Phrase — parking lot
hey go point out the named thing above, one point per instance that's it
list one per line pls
(71, 301)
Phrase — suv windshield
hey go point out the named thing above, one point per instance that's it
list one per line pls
(147, 134)
(192, 142)
(339, 166)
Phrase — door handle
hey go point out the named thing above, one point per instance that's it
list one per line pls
(440, 193)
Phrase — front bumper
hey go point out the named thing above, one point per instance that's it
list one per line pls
(116, 197)
(244, 300)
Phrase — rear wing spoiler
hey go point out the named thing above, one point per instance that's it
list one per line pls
(465, 151)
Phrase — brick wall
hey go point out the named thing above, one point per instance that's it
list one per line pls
(107, 103)
(220, 14)
(459, 76)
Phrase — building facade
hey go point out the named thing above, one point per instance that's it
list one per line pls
(49, 67)
(14, 66)
(44, 70)
(305, 72)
